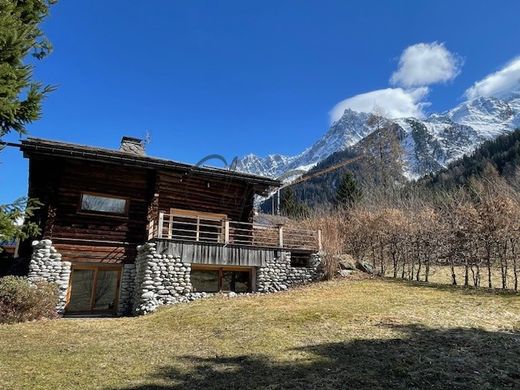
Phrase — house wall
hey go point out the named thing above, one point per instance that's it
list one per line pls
(84, 237)
(88, 237)
(196, 192)
(163, 277)
(279, 275)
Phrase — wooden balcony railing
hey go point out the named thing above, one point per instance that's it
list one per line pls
(225, 231)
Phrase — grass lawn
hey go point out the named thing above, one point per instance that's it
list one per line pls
(365, 333)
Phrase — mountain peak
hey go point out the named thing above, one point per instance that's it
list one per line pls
(429, 144)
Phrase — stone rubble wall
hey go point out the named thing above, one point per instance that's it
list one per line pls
(278, 275)
(302, 275)
(46, 265)
(273, 277)
(126, 291)
(159, 279)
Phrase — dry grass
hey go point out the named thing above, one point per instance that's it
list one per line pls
(351, 333)
(442, 275)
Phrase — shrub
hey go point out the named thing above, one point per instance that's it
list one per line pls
(22, 301)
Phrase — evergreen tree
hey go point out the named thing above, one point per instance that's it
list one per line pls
(20, 96)
(20, 36)
(348, 192)
(290, 207)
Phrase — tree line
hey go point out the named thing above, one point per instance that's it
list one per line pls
(472, 231)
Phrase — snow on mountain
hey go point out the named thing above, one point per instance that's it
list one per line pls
(428, 144)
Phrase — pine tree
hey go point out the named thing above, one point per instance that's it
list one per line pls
(20, 36)
(20, 96)
(290, 207)
(348, 192)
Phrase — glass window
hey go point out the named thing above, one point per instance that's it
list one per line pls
(300, 260)
(103, 204)
(205, 280)
(236, 281)
(106, 290)
(81, 293)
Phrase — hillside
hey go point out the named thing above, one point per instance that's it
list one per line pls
(501, 154)
(367, 333)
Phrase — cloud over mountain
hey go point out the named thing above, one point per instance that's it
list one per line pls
(420, 65)
(499, 84)
(394, 102)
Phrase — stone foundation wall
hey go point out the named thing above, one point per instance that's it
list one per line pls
(126, 290)
(162, 279)
(46, 264)
(302, 275)
(278, 275)
(273, 277)
(159, 279)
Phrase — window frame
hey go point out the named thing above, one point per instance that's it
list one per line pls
(221, 271)
(96, 268)
(81, 210)
(299, 255)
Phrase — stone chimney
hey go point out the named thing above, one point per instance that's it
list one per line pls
(132, 145)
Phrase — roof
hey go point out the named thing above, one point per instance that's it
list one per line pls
(76, 151)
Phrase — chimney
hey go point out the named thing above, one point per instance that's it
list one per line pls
(132, 145)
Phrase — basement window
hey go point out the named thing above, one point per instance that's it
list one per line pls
(104, 204)
(213, 280)
(300, 259)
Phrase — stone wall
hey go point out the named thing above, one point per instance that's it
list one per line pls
(273, 277)
(126, 291)
(278, 275)
(302, 275)
(159, 279)
(46, 264)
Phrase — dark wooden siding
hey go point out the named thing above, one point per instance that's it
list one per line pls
(88, 237)
(82, 237)
(195, 192)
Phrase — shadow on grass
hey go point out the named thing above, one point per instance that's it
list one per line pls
(420, 358)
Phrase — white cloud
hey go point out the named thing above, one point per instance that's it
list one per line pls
(498, 84)
(394, 102)
(424, 64)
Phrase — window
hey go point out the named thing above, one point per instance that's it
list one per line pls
(103, 204)
(300, 259)
(236, 281)
(205, 280)
(93, 288)
(221, 279)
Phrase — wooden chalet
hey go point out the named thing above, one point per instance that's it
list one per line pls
(100, 204)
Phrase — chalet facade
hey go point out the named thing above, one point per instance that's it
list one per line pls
(123, 232)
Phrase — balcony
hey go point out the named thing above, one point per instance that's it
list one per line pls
(214, 229)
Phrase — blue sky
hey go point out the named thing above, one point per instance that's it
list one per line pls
(234, 77)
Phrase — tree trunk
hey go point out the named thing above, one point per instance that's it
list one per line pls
(466, 273)
(453, 275)
(488, 264)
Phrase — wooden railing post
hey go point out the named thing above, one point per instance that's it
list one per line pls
(160, 225)
(319, 240)
(226, 231)
(150, 229)
(170, 227)
(280, 236)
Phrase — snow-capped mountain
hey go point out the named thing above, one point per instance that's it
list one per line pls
(429, 144)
